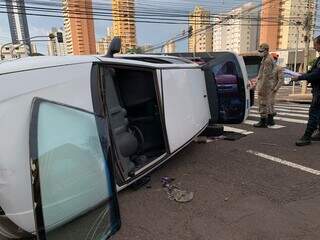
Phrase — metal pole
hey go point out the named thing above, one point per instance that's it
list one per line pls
(195, 38)
(295, 57)
(307, 44)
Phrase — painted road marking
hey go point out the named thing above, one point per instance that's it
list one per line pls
(292, 120)
(286, 114)
(251, 122)
(286, 110)
(284, 162)
(237, 130)
(293, 105)
(293, 108)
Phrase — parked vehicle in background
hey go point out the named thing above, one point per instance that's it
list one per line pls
(252, 61)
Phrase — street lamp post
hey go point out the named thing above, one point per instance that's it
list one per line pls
(298, 23)
(40, 36)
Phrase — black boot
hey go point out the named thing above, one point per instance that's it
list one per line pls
(262, 123)
(304, 140)
(270, 120)
(316, 136)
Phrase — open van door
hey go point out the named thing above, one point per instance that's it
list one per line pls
(74, 192)
(232, 99)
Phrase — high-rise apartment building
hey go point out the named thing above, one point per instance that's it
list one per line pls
(282, 20)
(79, 27)
(123, 16)
(18, 22)
(201, 38)
(239, 34)
(54, 47)
(103, 44)
(170, 47)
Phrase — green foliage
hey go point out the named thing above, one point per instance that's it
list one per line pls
(137, 50)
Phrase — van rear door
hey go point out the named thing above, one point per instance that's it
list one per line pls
(226, 76)
(74, 192)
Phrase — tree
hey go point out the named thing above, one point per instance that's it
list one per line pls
(136, 50)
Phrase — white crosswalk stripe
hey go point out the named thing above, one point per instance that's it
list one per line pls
(293, 105)
(291, 120)
(251, 122)
(306, 108)
(286, 114)
(237, 130)
(286, 110)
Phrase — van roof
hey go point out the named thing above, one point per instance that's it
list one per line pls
(29, 63)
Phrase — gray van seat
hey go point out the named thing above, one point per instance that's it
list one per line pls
(126, 143)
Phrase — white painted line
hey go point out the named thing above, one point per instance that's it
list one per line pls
(237, 130)
(293, 108)
(286, 114)
(284, 162)
(251, 122)
(293, 105)
(292, 120)
(304, 108)
(286, 110)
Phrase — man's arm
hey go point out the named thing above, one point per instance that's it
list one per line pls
(280, 79)
(312, 76)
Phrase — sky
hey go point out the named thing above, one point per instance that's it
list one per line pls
(147, 33)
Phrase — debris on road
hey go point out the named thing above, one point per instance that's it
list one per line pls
(231, 136)
(174, 193)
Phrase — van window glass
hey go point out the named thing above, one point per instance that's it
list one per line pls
(75, 180)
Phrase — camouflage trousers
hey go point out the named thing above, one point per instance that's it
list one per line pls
(272, 103)
(265, 105)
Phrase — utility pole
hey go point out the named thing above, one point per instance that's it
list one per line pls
(298, 23)
(195, 37)
(307, 27)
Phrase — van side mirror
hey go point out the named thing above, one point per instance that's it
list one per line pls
(114, 47)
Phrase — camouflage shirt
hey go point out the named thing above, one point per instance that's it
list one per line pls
(266, 76)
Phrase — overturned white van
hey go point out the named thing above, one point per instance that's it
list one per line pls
(75, 128)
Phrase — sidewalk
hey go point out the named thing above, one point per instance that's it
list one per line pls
(285, 95)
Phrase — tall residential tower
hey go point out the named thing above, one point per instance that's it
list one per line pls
(18, 22)
(123, 16)
(281, 21)
(79, 27)
(240, 34)
(201, 39)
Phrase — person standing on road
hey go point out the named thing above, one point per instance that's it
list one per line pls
(264, 86)
(278, 82)
(313, 77)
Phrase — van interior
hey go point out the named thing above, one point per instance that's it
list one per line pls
(133, 109)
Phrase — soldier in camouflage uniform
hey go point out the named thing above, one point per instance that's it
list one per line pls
(264, 86)
(278, 82)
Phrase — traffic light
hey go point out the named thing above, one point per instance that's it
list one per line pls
(59, 37)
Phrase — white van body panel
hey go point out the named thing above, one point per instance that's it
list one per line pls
(65, 84)
(67, 80)
(186, 105)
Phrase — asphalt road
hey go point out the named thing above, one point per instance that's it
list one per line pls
(261, 187)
